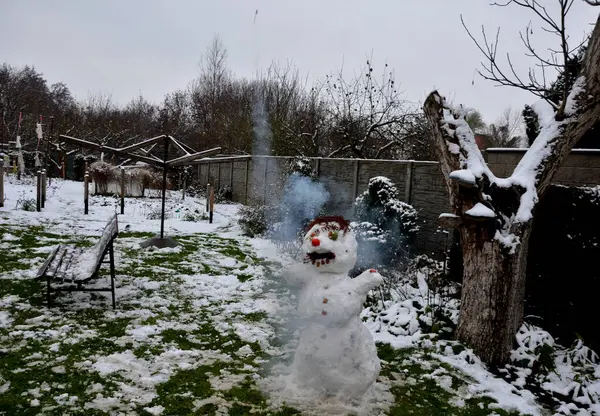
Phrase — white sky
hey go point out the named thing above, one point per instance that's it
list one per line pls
(123, 47)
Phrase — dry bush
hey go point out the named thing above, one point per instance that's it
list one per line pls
(149, 178)
(102, 173)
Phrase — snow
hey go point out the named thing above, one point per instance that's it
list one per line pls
(526, 174)
(463, 175)
(480, 210)
(221, 300)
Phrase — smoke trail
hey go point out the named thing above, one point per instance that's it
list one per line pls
(263, 136)
(303, 199)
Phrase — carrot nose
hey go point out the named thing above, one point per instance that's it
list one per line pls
(316, 242)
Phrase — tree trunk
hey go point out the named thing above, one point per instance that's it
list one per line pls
(493, 293)
(487, 210)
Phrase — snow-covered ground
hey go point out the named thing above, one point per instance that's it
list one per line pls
(197, 327)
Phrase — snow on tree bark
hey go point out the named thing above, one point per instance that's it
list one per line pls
(495, 247)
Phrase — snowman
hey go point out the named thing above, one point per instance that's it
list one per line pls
(336, 356)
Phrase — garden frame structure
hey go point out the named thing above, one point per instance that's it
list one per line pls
(142, 152)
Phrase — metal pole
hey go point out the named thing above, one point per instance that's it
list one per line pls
(164, 189)
(38, 202)
(44, 175)
(122, 190)
(86, 192)
(211, 197)
(1, 180)
(207, 195)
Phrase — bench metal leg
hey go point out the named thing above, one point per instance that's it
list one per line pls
(111, 254)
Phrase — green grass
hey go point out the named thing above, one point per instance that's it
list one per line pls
(163, 329)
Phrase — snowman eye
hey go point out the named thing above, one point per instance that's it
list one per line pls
(333, 235)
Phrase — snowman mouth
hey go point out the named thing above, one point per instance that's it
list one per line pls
(314, 256)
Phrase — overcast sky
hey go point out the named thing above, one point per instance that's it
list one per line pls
(123, 47)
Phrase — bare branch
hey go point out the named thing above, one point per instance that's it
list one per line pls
(558, 59)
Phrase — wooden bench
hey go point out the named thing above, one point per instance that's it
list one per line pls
(74, 265)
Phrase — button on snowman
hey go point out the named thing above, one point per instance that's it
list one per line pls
(336, 355)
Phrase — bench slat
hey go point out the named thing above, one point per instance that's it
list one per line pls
(72, 255)
(58, 259)
(44, 267)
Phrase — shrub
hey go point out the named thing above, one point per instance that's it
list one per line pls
(102, 173)
(194, 216)
(224, 194)
(385, 227)
(27, 204)
(253, 220)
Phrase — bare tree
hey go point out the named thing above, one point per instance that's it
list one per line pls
(506, 130)
(494, 215)
(536, 79)
(207, 91)
(367, 114)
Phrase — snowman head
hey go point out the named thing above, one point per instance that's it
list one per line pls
(330, 245)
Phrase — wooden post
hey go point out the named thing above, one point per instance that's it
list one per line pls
(318, 166)
(86, 192)
(408, 188)
(122, 190)
(44, 175)
(38, 193)
(231, 178)
(355, 180)
(1, 181)
(207, 196)
(211, 197)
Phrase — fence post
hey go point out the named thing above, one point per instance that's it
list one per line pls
(86, 192)
(38, 193)
(1, 181)
(231, 178)
(409, 175)
(212, 204)
(122, 190)
(44, 174)
(218, 176)
(246, 180)
(318, 166)
(265, 180)
(355, 180)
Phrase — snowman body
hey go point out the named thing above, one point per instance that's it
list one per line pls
(336, 354)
